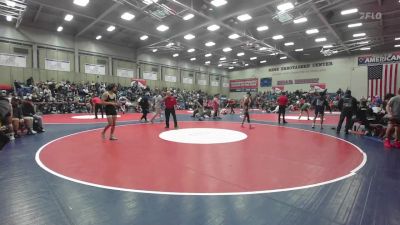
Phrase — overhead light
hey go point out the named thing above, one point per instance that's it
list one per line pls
(335, 52)
(300, 20)
(397, 46)
(9, 18)
(365, 49)
(175, 55)
(246, 64)
(68, 17)
(149, 2)
(240, 54)
(277, 37)
(219, 65)
(234, 36)
(285, 6)
(191, 50)
(320, 39)
(170, 44)
(359, 35)
(354, 25)
(192, 59)
(207, 62)
(231, 67)
(127, 16)
(188, 16)
(213, 27)
(189, 36)
(275, 53)
(244, 17)
(209, 44)
(10, 3)
(283, 57)
(263, 61)
(208, 55)
(397, 38)
(82, 3)
(299, 50)
(218, 3)
(98, 37)
(111, 28)
(144, 37)
(327, 46)
(227, 49)
(222, 59)
(312, 31)
(363, 42)
(262, 28)
(289, 43)
(234, 62)
(349, 11)
(60, 28)
(253, 58)
(162, 28)
(262, 48)
(155, 50)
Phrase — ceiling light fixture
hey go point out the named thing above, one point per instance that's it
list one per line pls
(213, 27)
(188, 16)
(262, 28)
(111, 28)
(299, 50)
(240, 54)
(244, 17)
(222, 59)
(285, 6)
(209, 44)
(246, 64)
(82, 3)
(219, 65)
(354, 25)
(327, 46)
(231, 67)
(192, 59)
(283, 57)
(218, 3)
(149, 2)
(60, 28)
(300, 20)
(263, 61)
(68, 17)
(155, 50)
(98, 37)
(162, 28)
(275, 53)
(10, 3)
(227, 49)
(363, 42)
(289, 43)
(253, 58)
(189, 36)
(349, 11)
(262, 48)
(312, 31)
(359, 35)
(207, 62)
(208, 55)
(234, 36)
(277, 37)
(191, 50)
(397, 46)
(397, 38)
(127, 16)
(144, 37)
(175, 55)
(365, 49)
(320, 39)
(9, 18)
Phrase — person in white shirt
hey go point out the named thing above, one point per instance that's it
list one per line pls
(157, 101)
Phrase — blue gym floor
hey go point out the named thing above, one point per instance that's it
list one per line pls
(30, 195)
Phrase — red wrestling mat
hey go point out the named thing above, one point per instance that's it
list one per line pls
(85, 118)
(293, 118)
(212, 158)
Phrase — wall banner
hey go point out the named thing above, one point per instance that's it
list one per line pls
(266, 82)
(244, 85)
(12, 60)
(379, 59)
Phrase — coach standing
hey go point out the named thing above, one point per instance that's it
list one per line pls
(282, 103)
(170, 106)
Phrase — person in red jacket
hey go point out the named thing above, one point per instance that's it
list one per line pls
(97, 104)
(170, 106)
(282, 103)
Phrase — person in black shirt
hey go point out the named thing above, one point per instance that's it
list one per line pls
(347, 106)
(246, 107)
(145, 105)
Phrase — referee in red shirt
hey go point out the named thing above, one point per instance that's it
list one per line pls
(170, 105)
(282, 103)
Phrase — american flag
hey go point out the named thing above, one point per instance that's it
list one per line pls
(382, 79)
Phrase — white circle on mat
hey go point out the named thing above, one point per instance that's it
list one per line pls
(85, 117)
(303, 117)
(203, 136)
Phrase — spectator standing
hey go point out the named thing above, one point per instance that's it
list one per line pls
(97, 104)
(282, 103)
(348, 107)
(393, 110)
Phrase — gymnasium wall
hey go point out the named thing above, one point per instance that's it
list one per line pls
(336, 73)
(40, 45)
